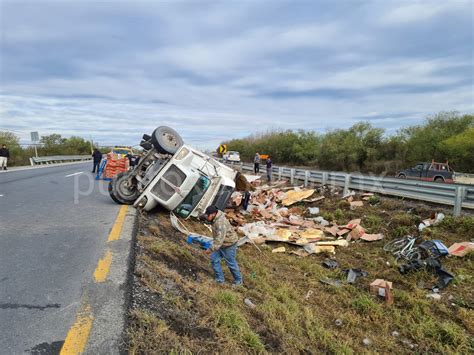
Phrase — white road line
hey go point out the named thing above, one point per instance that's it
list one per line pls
(80, 172)
(1, 195)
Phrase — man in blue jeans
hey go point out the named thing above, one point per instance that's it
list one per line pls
(224, 245)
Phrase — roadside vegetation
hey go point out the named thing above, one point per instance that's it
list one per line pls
(177, 308)
(53, 144)
(362, 147)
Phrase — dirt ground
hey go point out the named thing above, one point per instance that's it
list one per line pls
(177, 308)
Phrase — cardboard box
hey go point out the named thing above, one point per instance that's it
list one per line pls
(379, 286)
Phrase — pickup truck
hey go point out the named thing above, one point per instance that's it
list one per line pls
(175, 176)
(437, 172)
(231, 156)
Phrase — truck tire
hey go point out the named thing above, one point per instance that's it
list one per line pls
(121, 193)
(166, 140)
(112, 195)
(438, 179)
(401, 176)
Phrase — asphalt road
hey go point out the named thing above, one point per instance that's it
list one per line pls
(54, 224)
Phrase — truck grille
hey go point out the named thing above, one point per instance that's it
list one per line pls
(163, 189)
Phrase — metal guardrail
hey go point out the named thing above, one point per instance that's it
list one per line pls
(58, 159)
(459, 196)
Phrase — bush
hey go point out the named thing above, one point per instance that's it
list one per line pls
(362, 147)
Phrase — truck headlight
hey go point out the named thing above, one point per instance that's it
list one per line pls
(182, 153)
(142, 202)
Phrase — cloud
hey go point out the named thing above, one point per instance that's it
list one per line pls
(216, 70)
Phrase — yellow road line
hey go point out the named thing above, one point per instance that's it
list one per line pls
(117, 227)
(103, 267)
(77, 336)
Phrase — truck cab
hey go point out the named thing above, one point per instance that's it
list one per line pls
(175, 176)
(187, 183)
(434, 171)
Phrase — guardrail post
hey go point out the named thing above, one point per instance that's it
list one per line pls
(458, 198)
(325, 178)
(279, 172)
(306, 178)
(347, 181)
(292, 176)
(31, 162)
(241, 167)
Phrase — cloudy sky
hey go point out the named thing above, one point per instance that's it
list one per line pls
(214, 70)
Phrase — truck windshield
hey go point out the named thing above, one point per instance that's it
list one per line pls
(192, 199)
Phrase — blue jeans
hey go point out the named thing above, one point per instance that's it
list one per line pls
(229, 255)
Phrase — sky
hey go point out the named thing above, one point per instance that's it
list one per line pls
(216, 70)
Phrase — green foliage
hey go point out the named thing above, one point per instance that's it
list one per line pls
(52, 144)
(362, 147)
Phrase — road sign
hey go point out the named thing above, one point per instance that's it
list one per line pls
(34, 137)
(223, 148)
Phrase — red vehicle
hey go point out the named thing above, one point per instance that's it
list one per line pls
(437, 172)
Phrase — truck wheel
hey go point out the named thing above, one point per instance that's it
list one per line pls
(112, 195)
(166, 140)
(402, 176)
(120, 192)
(438, 179)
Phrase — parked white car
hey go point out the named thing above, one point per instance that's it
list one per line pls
(231, 156)
(175, 176)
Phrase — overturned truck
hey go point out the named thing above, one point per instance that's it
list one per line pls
(175, 176)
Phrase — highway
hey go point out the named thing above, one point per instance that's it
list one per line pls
(54, 223)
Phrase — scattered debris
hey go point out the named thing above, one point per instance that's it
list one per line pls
(330, 264)
(371, 237)
(331, 282)
(431, 264)
(316, 249)
(279, 250)
(308, 294)
(249, 303)
(433, 295)
(355, 204)
(461, 249)
(294, 196)
(438, 217)
(367, 342)
(313, 210)
(366, 196)
(395, 334)
(382, 288)
(338, 322)
(353, 274)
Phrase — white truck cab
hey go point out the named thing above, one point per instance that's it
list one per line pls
(188, 183)
(175, 176)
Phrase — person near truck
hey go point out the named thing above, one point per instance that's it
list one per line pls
(97, 155)
(269, 169)
(256, 163)
(4, 156)
(224, 245)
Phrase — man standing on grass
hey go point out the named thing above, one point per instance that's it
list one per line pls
(224, 245)
(4, 155)
(256, 163)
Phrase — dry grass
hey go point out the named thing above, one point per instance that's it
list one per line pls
(177, 308)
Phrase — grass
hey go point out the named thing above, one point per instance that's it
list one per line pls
(177, 308)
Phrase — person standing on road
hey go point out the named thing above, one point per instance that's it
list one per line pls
(224, 245)
(4, 156)
(97, 155)
(269, 169)
(256, 163)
